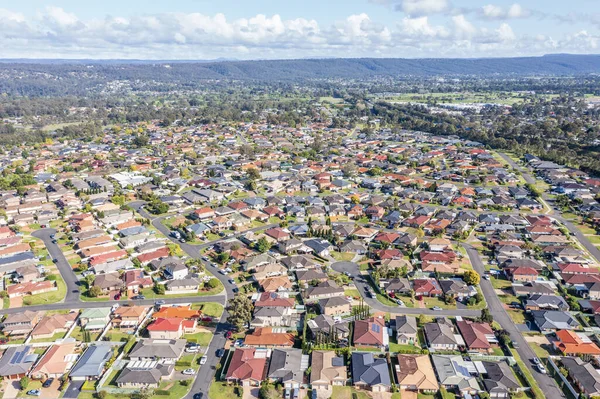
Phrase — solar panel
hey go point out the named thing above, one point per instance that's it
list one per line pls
(376, 328)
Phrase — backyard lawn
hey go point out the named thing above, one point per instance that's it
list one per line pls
(48, 297)
(201, 338)
(342, 256)
(56, 336)
(220, 390)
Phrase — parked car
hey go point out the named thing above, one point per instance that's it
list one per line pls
(203, 360)
(192, 349)
(160, 302)
(436, 308)
(48, 382)
(536, 361)
(228, 334)
(138, 297)
(34, 392)
(541, 368)
(188, 372)
(515, 344)
(220, 352)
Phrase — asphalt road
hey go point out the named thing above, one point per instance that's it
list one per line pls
(207, 371)
(65, 269)
(591, 248)
(361, 285)
(546, 383)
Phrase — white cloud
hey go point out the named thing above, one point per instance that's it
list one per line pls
(514, 11)
(463, 28)
(57, 33)
(505, 33)
(423, 7)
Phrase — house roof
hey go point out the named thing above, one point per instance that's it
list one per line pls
(16, 360)
(160, 348)
(570, 342)
(416, 370)
(327, 367)
(265, 336)
(370, 370)
(245, 366)
(91, 363)
(178, 312)
(56, 360)
(287, 365)
(370, 331)
(475, 334)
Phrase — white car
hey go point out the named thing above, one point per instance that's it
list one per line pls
(541, 368)
(188, 372)
(203, 360)
(192, 349)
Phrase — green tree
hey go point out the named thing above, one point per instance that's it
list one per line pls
(471, 277)
(253, 174)
(24, 382)
(486, 316)
(262, 245)
(159, 289)
(95, 291)
(240, 311)
(213, 283)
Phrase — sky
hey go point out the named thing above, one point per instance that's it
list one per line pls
(289, 29)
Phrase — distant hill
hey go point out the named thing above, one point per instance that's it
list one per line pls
(83, 77)
(555, 64)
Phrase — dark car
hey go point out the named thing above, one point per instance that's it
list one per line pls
(197, 396)
(138, 297)
(48, 382)
(220, 352)
(55, 260)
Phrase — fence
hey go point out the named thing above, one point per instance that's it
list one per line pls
(565, 382)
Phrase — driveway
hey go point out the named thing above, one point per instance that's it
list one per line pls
(73, 389)
(11, 389)
(250, 393)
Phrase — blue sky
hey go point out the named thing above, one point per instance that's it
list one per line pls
(259, 29)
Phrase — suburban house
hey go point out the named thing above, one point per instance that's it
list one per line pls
(552, 320)
(415, 373)
(94, 319)
(499, 380)
(406, 330)
(335, 306)
(140, 375)
(266, 337)
(453, 373)
(585, 376)
(128, 317)
(287, 366)
(90, 365)
(54, 324)
(571, 343)
(370, 372)
(371, 332)
(161, 350)
(20, 324)
(170, 328)
(248, 367)
(477, 336)
(440, 335)
(57, 361)
(327, 369)
(16, 362)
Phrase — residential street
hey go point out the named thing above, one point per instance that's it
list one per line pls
(546, 383)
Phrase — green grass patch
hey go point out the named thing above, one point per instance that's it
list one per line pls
(53, 338)
(516, 315)
(212, 309)
(435, 301)
(342, 256)
(201, 338)
(117, 336)
(500, 283)
(220, 390)
(48, 297)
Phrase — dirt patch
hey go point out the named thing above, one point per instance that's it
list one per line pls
(538, 339)
(16, 302)
(404, 394)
